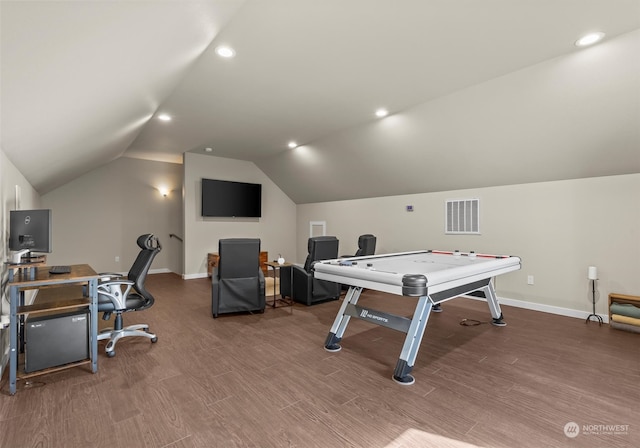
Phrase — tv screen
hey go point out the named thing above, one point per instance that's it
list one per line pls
(223, 198)
(30, 229)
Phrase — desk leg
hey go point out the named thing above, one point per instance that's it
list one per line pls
(21, 321)
(93, 310)
(332, 343)
(412, 342)
(13, 339)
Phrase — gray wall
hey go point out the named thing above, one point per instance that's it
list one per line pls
(98, 217)
(276, 228)
(557, 228)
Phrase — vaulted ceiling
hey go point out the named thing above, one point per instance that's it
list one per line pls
(480, 92)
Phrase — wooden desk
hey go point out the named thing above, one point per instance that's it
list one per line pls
(213, 259)
(38, 278)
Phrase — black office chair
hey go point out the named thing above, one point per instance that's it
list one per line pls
(238, 282)
(307, 289)
(117, 295)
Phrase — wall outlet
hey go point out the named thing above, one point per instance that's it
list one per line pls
(117, 259)
(530, 280)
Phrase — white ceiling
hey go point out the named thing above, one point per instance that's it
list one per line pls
(82, 83)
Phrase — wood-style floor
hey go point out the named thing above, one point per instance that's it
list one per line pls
(264, 380)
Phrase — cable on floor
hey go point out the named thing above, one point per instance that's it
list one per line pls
(471, 322)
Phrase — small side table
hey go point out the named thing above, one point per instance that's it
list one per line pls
(276, 269)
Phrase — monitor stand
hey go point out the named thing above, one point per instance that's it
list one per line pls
(16, 257)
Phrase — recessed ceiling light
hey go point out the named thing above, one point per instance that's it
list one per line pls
(292, 144)
(225, 52)
(382, 113)
(589, 39)
(164, 117)
(208, 149)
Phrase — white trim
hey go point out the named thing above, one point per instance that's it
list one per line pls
(18, 196)
(550, 309)
(323, 224)
(194, 276)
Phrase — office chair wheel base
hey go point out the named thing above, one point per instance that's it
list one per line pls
(154, 340)
(111, 354)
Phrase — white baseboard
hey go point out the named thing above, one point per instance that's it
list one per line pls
(192, 276)
(199, 275)
(151, 271)
(544, 308)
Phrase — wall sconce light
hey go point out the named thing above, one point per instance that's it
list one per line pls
(164, 191)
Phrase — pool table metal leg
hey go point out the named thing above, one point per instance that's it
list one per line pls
(412, 342)
(494, 306)
(332, 343)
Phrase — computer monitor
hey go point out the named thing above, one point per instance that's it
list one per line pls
(30, 230)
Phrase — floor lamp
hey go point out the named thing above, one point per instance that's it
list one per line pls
(592, 274)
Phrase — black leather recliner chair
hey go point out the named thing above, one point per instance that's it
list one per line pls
(366, 246)
(307, 289)
(238, 282)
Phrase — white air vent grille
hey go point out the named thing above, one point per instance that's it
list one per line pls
(462, 216)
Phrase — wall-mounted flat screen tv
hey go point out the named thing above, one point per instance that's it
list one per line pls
(223, 198)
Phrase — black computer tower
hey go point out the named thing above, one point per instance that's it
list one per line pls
(56, 340)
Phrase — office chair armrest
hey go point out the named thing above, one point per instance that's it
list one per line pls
(107, 285)
(117, 291)
(104, 277)
(108, 276)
